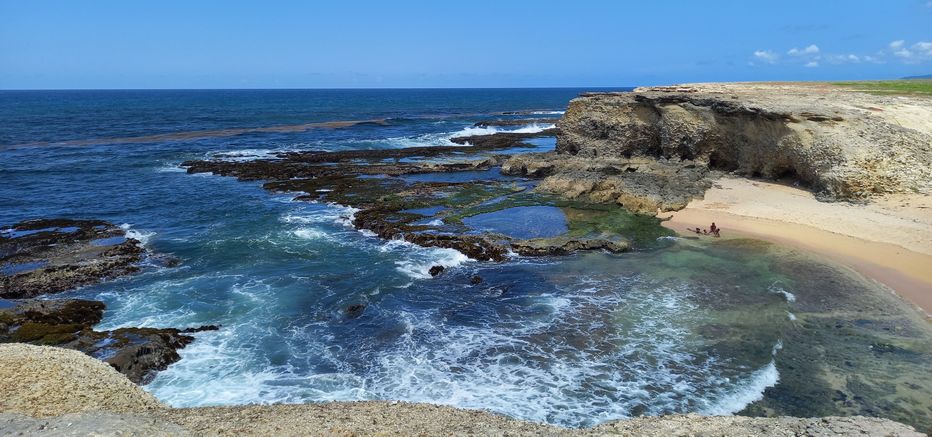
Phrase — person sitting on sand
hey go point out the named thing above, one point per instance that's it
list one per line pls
(697, 230)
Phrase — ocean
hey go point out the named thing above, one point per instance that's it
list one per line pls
(679, 326)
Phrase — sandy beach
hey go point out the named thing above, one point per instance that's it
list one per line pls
(888, 240)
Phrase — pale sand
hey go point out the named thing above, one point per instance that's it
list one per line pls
(888, 240)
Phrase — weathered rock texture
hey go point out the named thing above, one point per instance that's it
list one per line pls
(842, 144)
(43, 381)
(640, 184)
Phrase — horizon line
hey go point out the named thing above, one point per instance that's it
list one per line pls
(319, 89)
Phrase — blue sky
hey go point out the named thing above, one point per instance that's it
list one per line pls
(307, 44)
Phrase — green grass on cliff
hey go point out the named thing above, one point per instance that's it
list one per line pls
(911, 86)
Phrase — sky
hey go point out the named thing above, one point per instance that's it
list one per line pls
(49, 44)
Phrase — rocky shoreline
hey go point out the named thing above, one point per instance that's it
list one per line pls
(394, 203)
(50, 256)
(655, 149)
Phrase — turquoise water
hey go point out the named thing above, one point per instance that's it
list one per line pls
(573, 341)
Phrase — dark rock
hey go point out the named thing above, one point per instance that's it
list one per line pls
(355, 310)
(136, 352)
(436, 270)
(564, 245)
(201, 328)
(475, 280)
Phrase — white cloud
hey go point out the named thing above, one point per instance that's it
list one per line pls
(767, 56)
(812, 55)
(918, 52)
(846, 59)
(812, 49)
(924, 48)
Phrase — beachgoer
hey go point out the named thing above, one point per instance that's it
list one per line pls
(713, 228)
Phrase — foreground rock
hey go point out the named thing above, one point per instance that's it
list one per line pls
(842, 144)
(89, 424)
(43, 381)
(54, 255)
(72, 394)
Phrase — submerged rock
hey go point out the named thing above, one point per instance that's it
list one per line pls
(354, 311)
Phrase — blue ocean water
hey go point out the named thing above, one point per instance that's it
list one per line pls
(574, 341)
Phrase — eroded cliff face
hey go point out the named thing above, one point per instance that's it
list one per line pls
(842, 144)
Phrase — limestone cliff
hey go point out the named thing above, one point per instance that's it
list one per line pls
(841, 144)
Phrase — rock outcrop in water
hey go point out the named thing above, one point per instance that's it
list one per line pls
(53, 255)
(657, 147)
(135, 352)
(379, 184)
(50, 256)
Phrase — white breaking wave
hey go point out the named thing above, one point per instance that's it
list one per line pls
(142, 236)
(444, 138)
(424, 140)
(334, 213)
(170, 168)
(752, 390)
(419, 259)
(310, 233)
(548, 112)
(243, 155)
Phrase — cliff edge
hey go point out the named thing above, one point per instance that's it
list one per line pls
(659, 147)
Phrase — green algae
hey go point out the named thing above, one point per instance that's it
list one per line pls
(46, 334)
(596, 219)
